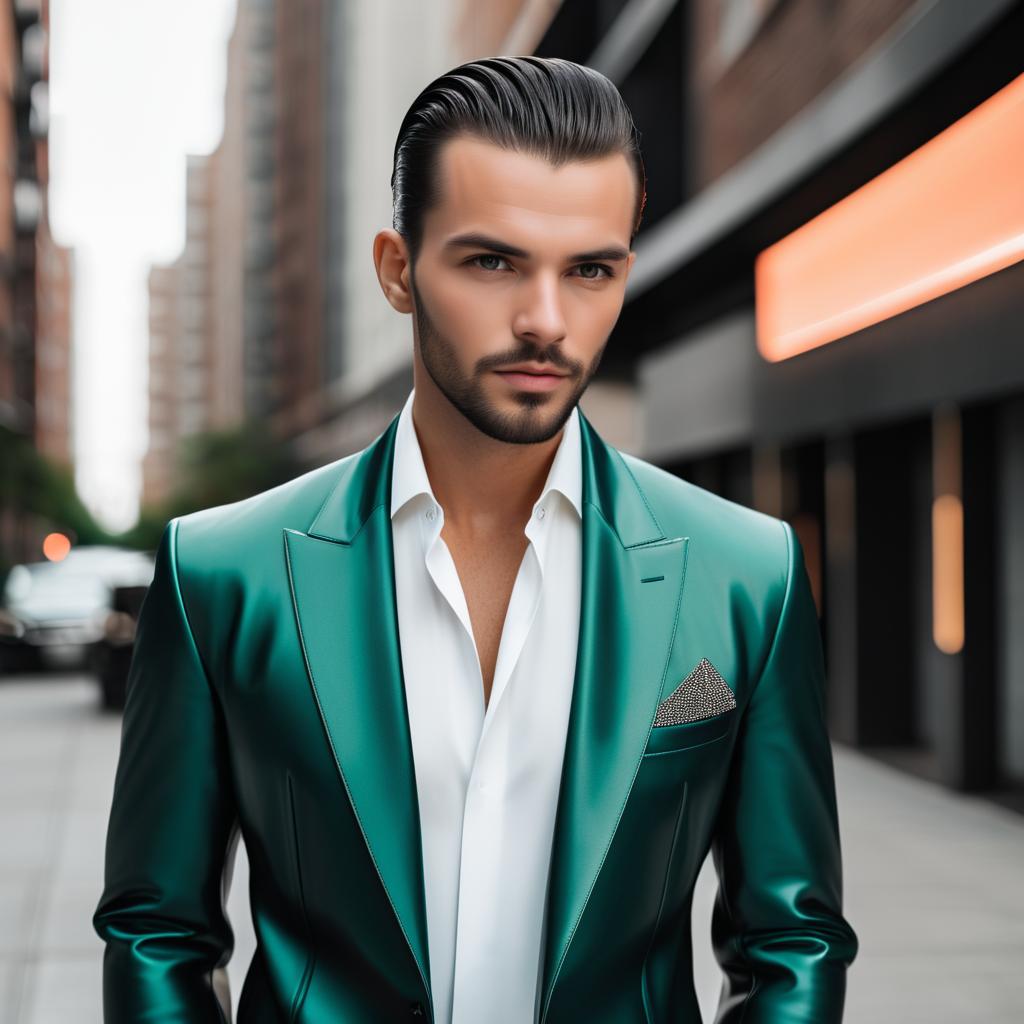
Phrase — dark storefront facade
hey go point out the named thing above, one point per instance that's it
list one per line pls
(897, 450)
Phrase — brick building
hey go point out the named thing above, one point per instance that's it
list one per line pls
(36, 387)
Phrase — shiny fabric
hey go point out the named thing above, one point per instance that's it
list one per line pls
(265, 697)
(487, 779)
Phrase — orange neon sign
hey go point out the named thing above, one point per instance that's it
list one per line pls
(946, 215)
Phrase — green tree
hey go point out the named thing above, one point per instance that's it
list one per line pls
(216, 468)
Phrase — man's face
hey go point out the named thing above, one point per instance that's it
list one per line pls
(541, 281)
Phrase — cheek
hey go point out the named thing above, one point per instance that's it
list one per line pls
(593, 308)
(591, 318)
(466, 314)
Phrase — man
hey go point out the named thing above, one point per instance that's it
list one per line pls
(482, 696)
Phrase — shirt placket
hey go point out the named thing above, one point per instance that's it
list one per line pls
(478, 935)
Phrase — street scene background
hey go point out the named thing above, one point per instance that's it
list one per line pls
(823, 323)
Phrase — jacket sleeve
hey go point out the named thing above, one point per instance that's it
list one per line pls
(777, 926)
(173, 829)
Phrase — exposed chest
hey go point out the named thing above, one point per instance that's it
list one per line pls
(487, 573)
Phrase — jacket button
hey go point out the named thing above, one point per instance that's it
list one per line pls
(416, 1009)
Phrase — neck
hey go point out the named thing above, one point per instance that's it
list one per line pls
(459, 458)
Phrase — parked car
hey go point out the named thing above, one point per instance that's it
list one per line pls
(56, 612)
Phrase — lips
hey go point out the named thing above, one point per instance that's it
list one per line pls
(533, 372)
(531, 381)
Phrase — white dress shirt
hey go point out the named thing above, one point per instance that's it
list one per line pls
(487, 783)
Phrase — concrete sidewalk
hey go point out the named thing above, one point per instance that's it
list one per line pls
(933, 882)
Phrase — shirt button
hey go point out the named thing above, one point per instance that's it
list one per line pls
(431, 512)
(540, 512)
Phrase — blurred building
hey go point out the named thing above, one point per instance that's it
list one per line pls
(814, 361)
(159, 462)
(249, 292)
(251, 113)
(212, 317)
(24, 228)
(300, 208)
(181, 337)
(54, 392)
(196, 282)
(18, 189)
(54, 427)
(36, 394)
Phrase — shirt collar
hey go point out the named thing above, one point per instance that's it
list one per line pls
(409, 475)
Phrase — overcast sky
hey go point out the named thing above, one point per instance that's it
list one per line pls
(135, 85)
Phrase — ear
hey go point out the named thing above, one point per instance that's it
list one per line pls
(391, 260)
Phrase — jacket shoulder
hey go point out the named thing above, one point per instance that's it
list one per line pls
(738, 539)
(228, 534)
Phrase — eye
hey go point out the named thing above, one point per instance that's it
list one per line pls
(608, 272)
(485, 256)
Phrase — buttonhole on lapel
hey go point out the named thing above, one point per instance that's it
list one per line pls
(651, 579)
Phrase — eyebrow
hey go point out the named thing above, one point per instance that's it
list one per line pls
(475, 240)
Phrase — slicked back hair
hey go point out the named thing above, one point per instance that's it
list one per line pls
(542, 106)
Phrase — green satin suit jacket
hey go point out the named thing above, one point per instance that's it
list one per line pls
(265, 699)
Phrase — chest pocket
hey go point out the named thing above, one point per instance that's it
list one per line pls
(667, 739)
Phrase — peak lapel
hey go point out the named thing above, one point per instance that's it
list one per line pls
(632, 580)
(341, 572)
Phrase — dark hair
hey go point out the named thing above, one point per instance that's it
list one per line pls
(545, 106)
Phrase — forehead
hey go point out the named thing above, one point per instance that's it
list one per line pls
(483, 185)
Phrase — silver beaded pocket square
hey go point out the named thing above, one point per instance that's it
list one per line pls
(702, 694)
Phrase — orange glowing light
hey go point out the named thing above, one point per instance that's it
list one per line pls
(948, 573)
(56, 546)
(946, 215)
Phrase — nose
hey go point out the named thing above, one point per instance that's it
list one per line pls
(540, 316)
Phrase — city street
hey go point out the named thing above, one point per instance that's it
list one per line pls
(754, 313)
(932, 880)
